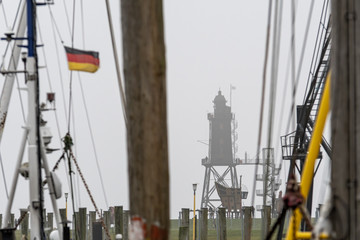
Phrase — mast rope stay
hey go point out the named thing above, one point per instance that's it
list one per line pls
(68, 142)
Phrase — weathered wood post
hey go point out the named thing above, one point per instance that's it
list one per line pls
(92, 219)
(119, 220)
(82, 223)
(97, 231)
(345, 119)
(203, 233)
(107, 223)
(145, 87)
(184, 224)
(267, 217)
(24, 223)
(50, 221)
(248, 212)
(75, 226)
(63, 214)
(12, 220)
(221, 215)
(0, 219)
(126, 225)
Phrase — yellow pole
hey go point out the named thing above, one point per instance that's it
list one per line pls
(314, 148)
(194, 218)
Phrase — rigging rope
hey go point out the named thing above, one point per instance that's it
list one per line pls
(87, 114)
(262, 99)
(93, 142)
(122, 94)
(21, 102)
(293, 55)
(89, 193)
(4, 12)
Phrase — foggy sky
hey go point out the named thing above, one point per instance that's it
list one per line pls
(209, 45)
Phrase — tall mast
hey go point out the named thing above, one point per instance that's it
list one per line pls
(32, 80)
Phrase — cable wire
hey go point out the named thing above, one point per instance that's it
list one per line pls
(4, 12)
(262, 100)
(93, 144)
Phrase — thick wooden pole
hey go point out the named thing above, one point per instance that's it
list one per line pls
(145, 88)
(345, 103)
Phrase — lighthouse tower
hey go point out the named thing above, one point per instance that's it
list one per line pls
(220, 165)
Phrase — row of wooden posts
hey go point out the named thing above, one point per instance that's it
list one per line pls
(89, 227)
(88, 224)
(202, 224)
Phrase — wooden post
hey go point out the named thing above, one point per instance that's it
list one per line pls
(119, 220)
(145, 87)
(203, 234)
(184, 233)
(126, 225)
(50, 221)
(82, 223)
(97, 231)
(75, 226)
(12, 220)
(221, 224)
(248, 212)
(345, 119)
(63, 214)
(0, 219)
(185, 221)
(267, 217)
(92, 219)
(107, 223)
(25, 223)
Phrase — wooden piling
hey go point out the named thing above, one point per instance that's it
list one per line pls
(107, 223)
(248, 213)
(185, 212)
(12, 220)
(145, 83)
(50, 221)
(63, 214)
(267, 218)
(203, 233)
(0, 220)
(184, 233)
(97, 231)
(119, 220)
(25, 223)
(92, 219)
(82, 223)
(221, 233)
(126, 225)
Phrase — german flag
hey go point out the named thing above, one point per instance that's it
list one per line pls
(80, 60)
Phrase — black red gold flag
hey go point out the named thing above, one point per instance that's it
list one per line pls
(80, 60)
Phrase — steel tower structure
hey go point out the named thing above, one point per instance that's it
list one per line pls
(221, 160)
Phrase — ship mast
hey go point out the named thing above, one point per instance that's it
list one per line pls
(36, 150)
(32, 80)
